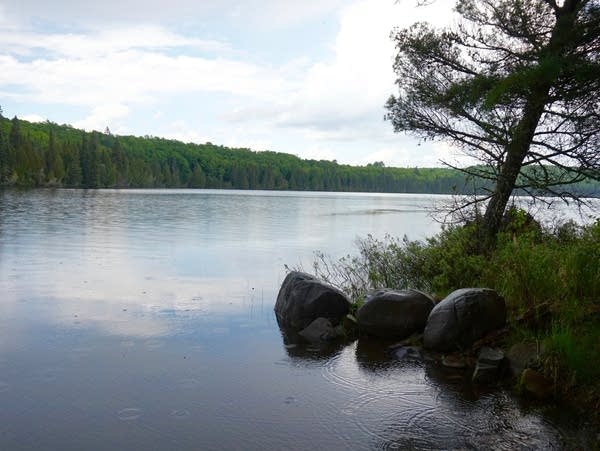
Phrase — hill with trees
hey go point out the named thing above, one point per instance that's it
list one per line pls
(51, 155)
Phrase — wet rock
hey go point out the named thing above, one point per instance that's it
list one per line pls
(350, 326)
(487, 368)
(320, 330)
(394, 314)
(463, 317)
(303, 298)
(534, 383)
(407, 353)
(523, 355)
(454, 361)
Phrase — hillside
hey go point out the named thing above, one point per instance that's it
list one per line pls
(52, 155)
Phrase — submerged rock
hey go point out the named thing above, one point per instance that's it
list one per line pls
(303, 298)
(457, 361)
(407, 353)
(463, 317)
(320, 330)
(534, 383)
(489, 362)
(523, 355)
(394, 314)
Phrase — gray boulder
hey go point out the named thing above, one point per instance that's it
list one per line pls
(463, 317)
(408, 353)
(303, 298)
(523, 355)
(488, 365)
(320, 330)
(394, 314)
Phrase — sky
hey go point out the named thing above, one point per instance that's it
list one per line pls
(306, 77)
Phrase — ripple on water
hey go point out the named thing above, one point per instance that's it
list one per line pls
(153, 344)
(129, 414)
(4, 387)
(187, 384)
(399, 409)
(220, 330)
(81, 352)
(50, 374)
(180, 414)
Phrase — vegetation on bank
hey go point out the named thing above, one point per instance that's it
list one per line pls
(51, 155)
(549, 276)
(47, 154)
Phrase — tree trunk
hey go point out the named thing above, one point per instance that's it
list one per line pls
(518, 147)
(516, 151)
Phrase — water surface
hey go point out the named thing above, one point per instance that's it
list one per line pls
(143, 319)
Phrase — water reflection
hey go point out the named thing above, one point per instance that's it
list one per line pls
(411, 404)
(144, 320)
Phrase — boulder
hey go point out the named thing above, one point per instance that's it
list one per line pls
(303, 298)
(488, 365)
(457, 361)
(407, 353)
(534, 383)
(394, 314)
(463, 317)
(319, 331)
(523, 355)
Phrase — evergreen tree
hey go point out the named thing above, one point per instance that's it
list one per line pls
(89, 161)
(4, 151)
(54, 165)
(515, 85)
(198, 178)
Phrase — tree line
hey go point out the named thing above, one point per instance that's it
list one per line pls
(52, 155)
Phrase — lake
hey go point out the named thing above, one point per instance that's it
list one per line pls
(143, 319)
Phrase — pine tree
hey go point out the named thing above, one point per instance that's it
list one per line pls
(515, 85)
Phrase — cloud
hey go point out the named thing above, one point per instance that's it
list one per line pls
(103, 116)
(103, 42)
(33, 118)
(350, 91)
(124, 67)
(326, 104)
(269, 13)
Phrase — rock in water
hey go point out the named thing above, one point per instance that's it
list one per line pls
(488, 365)
(463, 317)
(320, 330)
(303, 298)
(394, 314)
(534, 383)
(408, 353)
(523, 355)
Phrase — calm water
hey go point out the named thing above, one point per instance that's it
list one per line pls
(144, 320)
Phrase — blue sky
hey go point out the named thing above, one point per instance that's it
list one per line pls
(303, 77)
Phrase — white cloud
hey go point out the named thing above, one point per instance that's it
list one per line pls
(117, 65)
(33, 118)
(352, 89)
(317, 152)
(105, 116)
(266, 13)
(103, 42)
(314, 108)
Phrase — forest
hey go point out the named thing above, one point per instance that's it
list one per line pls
(51, 155)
